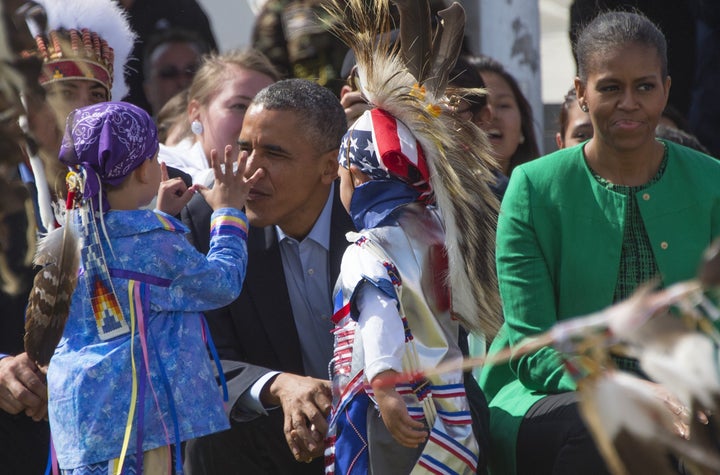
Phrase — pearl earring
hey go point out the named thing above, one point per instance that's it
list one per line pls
(522, 139)
(196, 127)
(584, 107)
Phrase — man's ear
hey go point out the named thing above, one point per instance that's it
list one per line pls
(329, 166)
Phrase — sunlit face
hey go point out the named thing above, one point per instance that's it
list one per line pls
(626, 95)
(173, 66)
(297, 177)
(504, 125)
(222, 118)
(66, 96)
(579, 128)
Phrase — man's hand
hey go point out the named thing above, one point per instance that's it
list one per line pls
(405, 430)
(306, 403)
(172, 194)
(22, 387)
(231, 188)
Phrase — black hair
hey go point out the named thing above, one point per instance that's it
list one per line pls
(569, 101)
(323, 117)
(529, 149)
(680, 136)
(612, 29)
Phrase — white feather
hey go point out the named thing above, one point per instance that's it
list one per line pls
(104, 17)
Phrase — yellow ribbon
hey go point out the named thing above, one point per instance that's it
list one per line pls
(133, 398)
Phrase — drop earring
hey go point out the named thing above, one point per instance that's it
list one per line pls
(584, 108)
(196, 127)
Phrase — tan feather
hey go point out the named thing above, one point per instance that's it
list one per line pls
(59, 255)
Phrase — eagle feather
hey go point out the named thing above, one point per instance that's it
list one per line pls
(58, 252)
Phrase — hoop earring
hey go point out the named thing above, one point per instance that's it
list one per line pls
(196, 127)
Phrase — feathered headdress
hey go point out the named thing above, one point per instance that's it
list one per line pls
(85, 39)
(409, 83)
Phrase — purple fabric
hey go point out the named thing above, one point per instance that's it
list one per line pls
(108, 140)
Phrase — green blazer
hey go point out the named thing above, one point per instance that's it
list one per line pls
(559, 240)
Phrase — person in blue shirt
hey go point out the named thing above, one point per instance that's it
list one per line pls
(126, 380)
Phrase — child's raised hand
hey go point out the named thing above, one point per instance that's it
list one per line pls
(404, 429)
(231, 188)
(172, 194)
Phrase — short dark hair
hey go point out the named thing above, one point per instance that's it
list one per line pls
(324, 120)
(612, 29)
(680, 136)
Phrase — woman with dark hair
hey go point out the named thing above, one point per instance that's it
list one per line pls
(509, 124)
(575, 125)
(582, 228)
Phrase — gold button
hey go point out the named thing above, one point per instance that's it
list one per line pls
(664, 245)
(646, 196)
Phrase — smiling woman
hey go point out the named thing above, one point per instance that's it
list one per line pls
(581, 228)
(507, 117)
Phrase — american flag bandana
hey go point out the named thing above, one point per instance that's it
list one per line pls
(383, 148)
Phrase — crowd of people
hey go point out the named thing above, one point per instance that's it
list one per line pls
(265, 235)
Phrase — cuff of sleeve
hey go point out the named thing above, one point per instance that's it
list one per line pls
(229, 221)
(248, 405)
(382, 364)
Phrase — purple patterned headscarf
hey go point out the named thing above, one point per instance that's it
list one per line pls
(109, 140)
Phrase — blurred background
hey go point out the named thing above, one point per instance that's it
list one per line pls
(530, 37)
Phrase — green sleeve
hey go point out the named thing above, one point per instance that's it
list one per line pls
(527, 288)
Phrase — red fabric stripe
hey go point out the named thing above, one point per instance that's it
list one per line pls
(342, 313)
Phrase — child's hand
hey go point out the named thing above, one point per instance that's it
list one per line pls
(231, 189)
(172, 194)
(406, 430)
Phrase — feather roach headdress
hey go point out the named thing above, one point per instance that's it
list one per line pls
(86, 39)
(409, 83)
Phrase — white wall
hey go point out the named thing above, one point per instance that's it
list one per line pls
(231, 21)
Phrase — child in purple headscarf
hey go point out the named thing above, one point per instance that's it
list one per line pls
(130, 376)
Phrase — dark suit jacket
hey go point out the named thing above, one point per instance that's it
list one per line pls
(257, 331)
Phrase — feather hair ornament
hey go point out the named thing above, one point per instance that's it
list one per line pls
(58, 252)
(410, 83)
